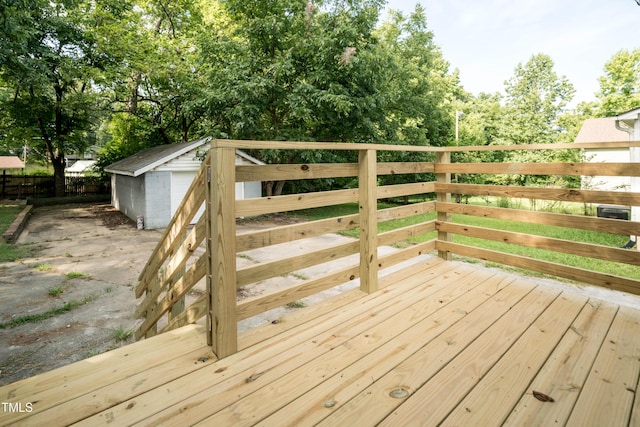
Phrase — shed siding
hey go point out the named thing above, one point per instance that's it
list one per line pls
(607, 183)
(187, 162)
(128, 195)
(158, 200)
(252, 190)
(180, 183)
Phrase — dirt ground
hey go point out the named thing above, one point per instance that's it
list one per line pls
(85, 256)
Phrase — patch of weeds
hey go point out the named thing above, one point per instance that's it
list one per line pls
(300, 276)
(108, 290)
(296, 304)
(14, 252)
(54, 292)
(33, 318)
(121, 334)
(68, 255)
(44, 267)
(76, 275)
(90, 298)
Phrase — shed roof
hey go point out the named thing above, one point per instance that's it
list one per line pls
(601, 130)
(146, 160)
(10, 162)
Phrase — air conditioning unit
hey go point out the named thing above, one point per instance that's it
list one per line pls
(615, 212)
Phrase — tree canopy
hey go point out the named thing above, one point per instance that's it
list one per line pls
(130, 74)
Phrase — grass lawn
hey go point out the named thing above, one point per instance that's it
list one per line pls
(10, 252)
(605, 239)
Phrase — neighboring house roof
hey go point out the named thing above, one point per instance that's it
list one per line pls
(81, 166)
(144, 161)
(601, 130)
(10, 162)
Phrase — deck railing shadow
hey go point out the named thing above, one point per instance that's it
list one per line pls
(176, 265)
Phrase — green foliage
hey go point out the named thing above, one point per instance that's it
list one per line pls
(620, 84)
(51, 61)
(44, 267)
(76, 275)
(10, 252)
(34, 318)
(121, 334)
(535, 98)
(54, 292)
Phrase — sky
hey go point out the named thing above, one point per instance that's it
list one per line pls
(486, 39)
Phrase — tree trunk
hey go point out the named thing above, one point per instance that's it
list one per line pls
(58, 175)
(274, 188)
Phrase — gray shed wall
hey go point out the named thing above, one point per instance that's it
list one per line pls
(127, 195)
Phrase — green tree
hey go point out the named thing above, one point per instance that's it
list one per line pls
(419, 88)
(50, 64)
(620, 84)
(535, 97)
(156, 92)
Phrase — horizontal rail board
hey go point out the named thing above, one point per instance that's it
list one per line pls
(298, 145)
(262, 303)
(609, 281)
(279, 267)
(288, 233)
(338, 146)
(400, 190)
(536, 147)
(604, 225)
(573, 169)
(294, 202)
(254, 306)
(566, 195)
(323, 170)
(405, 233)
(547, 243)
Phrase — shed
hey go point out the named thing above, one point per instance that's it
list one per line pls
(152, 183)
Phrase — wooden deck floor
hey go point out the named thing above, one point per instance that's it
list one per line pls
(443, 343)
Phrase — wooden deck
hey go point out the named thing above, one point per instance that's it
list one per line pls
(442, 342)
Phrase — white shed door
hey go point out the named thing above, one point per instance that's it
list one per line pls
(180, 183)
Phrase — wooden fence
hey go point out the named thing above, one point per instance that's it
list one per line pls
(177, 265)
(28, 186)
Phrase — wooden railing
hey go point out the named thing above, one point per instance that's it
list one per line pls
(177, 265)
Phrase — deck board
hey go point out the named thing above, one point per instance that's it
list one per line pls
(441, 342)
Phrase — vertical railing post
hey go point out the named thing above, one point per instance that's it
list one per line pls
(444, 178)
(368, 209)
(221, 268)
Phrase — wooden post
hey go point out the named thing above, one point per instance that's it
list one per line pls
(221, 237)
(368, 208)
(443, 158)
